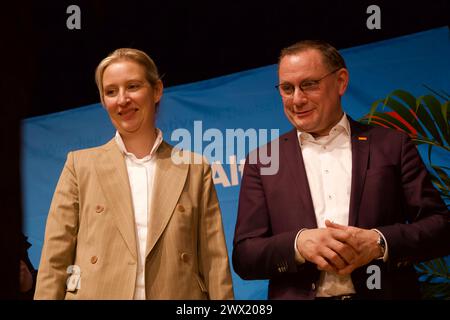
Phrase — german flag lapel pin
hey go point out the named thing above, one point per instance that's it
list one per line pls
(362, 138)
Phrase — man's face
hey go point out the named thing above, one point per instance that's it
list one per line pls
(317, 109)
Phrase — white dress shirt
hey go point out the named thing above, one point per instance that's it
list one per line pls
(141, 175)
(328, 165)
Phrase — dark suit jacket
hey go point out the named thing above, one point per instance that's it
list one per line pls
(390, 191)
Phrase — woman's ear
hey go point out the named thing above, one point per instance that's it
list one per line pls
(158, 89)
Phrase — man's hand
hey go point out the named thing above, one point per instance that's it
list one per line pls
(328, 248)
(363, 242)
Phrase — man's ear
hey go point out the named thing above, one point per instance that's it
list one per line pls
(342, 81)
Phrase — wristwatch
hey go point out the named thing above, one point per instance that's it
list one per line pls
(381, 244)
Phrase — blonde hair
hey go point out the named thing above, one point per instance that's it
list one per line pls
(135, 55)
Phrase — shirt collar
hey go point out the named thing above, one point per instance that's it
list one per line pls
(342, 126)
(123, 149)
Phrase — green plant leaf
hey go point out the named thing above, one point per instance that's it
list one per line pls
(391, 121)
(421, 267)
(435, 290)
(376, 122)
(437, 267)
(437, 182)
(428, 122)
(445, 111)
(405, 113)
(406, 97)
(437, 110)
(430, 147)
(373, 107)
(428, 141)
(441, 172)
(444, 95)
(442, 266)
(443, 176)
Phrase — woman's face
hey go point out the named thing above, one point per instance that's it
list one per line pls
(129, 98)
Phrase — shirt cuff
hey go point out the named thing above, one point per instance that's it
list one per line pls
(385, 257)
(298, 257)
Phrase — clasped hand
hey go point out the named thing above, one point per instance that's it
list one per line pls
(337, 248)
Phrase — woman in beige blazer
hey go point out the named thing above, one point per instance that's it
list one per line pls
(128, 219)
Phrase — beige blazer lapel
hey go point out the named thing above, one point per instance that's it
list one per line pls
(113, 178)
(167, 187)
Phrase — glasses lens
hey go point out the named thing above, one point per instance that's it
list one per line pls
(286, 89)
(309, 85)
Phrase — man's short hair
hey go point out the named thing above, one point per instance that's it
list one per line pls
(331, 56)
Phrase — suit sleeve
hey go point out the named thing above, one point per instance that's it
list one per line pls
(213, 256)
(426, 235)
(257, 252)
(60, 236)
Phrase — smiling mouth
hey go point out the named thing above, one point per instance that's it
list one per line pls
(127, 112)
(303, 113)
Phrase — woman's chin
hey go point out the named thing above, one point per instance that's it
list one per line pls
(128, 128)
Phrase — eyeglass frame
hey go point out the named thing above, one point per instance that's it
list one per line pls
(314, 81)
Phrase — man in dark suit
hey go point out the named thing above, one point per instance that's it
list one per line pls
(351, 206)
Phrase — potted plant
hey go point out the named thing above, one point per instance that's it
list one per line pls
(426, 120)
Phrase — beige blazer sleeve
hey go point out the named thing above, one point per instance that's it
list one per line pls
(213, 257)
(90, 225)
(60, 236)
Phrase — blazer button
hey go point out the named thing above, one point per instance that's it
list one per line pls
(94, 259)
(185, 257)
(99, 208)
(180, 208)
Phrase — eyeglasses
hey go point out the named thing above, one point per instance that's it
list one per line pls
(287, 89)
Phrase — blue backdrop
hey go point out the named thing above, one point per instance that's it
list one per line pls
(243, 100)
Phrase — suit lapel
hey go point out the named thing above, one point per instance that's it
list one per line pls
(113, 178)
(167, 186)
(298, 179)
(360, 141)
